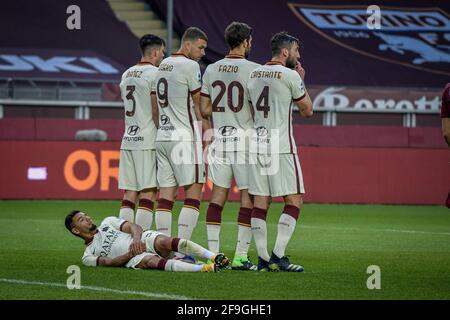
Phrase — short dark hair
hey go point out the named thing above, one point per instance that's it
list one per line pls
(236, 33)
(282, 40)
(193, 34)
(149, 41)
(69, 219)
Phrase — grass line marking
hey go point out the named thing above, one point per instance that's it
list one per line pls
(100, 289)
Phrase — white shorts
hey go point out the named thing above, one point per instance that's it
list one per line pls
(275, 175)
(222, 166)
(179, 163)
(137, 170)
(149, 238)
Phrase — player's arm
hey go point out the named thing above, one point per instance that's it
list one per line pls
(300, 94)
(205, 106)
(155, 110)
(195, 85)
(119, 261)
(446, 130)
(206, 124)
(137, 247)
(206, 112)
(304, 105)
(205, 96)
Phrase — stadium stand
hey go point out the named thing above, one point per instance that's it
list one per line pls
(329, 63)
(342, 53)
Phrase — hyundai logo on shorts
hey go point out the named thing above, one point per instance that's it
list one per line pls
(164, 120)
(227, 131)
(133, 130)
(262, 131)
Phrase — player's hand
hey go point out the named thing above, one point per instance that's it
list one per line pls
(300, 70)
(137, 247)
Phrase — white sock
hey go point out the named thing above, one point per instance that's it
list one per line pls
(259, 231)
(127, 214)
(244, 240)
(163, 222)
(144, 218)
(213, 232)
(180, 266)
(286, 227)
(187, 222)
(190, 248)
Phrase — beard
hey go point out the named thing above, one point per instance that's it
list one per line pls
(291, 62)
(93, 227)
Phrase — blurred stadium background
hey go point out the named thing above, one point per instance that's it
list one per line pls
(375, 137)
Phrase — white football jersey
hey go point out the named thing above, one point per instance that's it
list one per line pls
(109, 242)
(135, 88)
(272, 89)
(177, 78)
(225, 82)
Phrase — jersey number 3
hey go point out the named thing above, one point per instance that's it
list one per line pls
(129, 96)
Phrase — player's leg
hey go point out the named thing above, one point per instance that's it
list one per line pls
(290, 183)
(214, 217)
(164, 246)
(240, 172)
(287, 223)
(241, 260)
(167, 188)
(128, 183)
(259, 188)
(189, 213)
(259, 230)
(286, 227)
(187, 172)
(163, 214)
(126, 211)
(221, 174)
(158, 263)
(144, 212)
(145, 163)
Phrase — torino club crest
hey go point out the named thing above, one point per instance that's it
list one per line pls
(413, 37)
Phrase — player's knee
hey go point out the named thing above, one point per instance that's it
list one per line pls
(149, 194)
(148, 262)
(246, 201)
(193, 191)
(294, 200)
(154, 262)
(130, 195)
(246, 205)
(163, 245)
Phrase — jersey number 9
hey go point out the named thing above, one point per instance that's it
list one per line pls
(163, 99)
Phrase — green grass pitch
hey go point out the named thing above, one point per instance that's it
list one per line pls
(334, 243)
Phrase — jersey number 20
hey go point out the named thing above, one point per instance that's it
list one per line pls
(223, 89)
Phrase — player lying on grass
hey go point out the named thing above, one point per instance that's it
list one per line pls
(119, 243)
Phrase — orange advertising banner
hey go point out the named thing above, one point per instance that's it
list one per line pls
(89, 170)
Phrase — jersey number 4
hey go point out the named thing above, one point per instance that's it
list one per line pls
(223, 89)
(263, 102)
